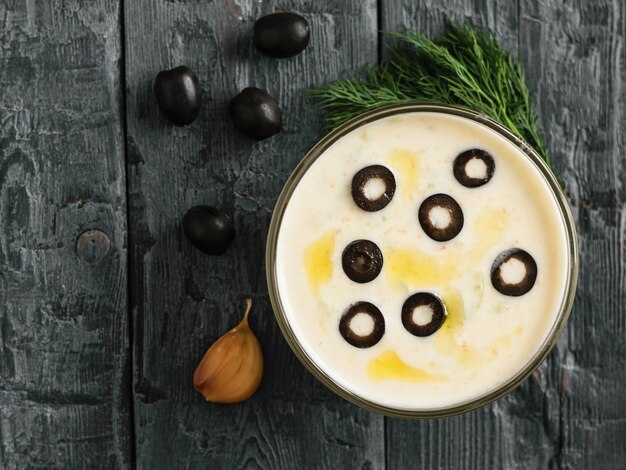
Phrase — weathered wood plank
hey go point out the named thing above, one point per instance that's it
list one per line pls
(571, 413)
(183, 300)
(578, 71)
(64, 359)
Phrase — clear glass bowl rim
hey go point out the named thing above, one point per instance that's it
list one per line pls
(566, 302)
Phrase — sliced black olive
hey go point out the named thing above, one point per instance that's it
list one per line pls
(208, 229)
(430, 302)
(178, 95)
(441, 217)
(355, 338)
(362, 261)
(281, 34)
(256, 114)
(525, 284)
(472, 180)
(373, 174)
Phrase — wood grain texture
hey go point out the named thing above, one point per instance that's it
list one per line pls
(572, 412)
(64, 359)
(578, 73)
(65, 364)
(182, 299)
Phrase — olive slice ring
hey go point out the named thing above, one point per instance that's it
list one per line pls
(460, 168)
(360, 180)
(362, 261)
(358, 340)
(435, 229)
(525, 284)
(423, 299)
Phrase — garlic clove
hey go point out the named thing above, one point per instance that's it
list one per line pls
(232, 368)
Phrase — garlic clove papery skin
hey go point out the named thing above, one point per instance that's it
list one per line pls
(232, 368)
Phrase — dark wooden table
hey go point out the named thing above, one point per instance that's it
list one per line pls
(106, 309)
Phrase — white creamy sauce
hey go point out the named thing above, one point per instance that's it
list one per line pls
(476, 168)
(487, 337)
(440, 217)
(512, 271)
(373, 188)
(362, 324)
(422, 315)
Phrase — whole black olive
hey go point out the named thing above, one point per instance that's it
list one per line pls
(209, 229)
(281, 34)
(255, 113)
(178, 94)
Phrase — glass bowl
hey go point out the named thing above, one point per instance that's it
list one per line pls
(571, 269)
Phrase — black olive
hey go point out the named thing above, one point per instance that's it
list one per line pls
(209, 229)
(423, 299)
(451, 209)
(360, 180)
(178, 94)
(460, 167)
(352, 337)
(281, 34)
(255, 113)
(362, 261)
(525, 284)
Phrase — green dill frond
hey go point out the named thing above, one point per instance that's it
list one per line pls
(463, 67)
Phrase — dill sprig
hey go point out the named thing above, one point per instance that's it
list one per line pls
(463, 67)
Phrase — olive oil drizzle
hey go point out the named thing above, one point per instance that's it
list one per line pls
(318, 260)
(389, 366)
